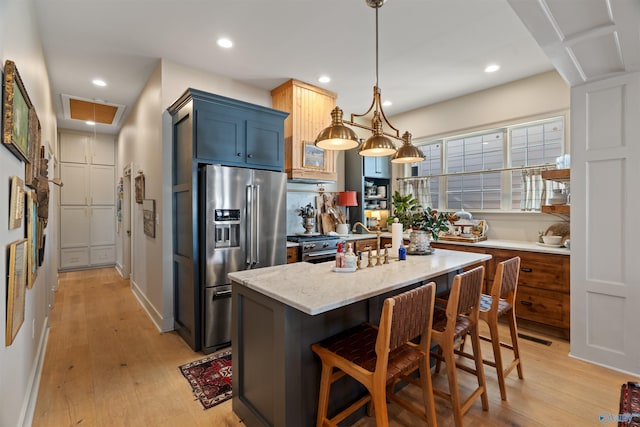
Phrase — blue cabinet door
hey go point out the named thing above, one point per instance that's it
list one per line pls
(220, 135)
(377, 167)
(265, 146)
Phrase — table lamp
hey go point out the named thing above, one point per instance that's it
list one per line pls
(347, 199)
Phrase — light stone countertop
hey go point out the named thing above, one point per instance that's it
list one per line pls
(315, 288)
(489, 243)
(512, 244)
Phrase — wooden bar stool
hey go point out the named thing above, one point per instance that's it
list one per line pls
(452, 324)
(492, 307)
(377, 356)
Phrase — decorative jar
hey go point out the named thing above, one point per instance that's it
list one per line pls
(558, 197)
(419, 241)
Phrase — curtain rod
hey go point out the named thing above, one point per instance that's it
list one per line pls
(545, 166)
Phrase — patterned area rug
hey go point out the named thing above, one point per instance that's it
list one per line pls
(210, 378)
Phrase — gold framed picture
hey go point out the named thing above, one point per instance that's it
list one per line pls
(16, 288)
(15, 119)
(32, 238)
(139, 184)
(312, 156)
(16, 203)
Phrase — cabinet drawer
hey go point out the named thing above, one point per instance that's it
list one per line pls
(359, 245)
(74, 257)
(547, 271)
(292, 254)
(547, 307)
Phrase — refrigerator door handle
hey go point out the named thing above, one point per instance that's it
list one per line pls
(256, 259)
(249, 226)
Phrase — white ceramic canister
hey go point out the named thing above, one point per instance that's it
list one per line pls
(382, 191)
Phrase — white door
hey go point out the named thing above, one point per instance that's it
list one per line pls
(75, 177)
(103, 230)
(126, 224)
(605, 283)
(102, 185)
(102, 150)
(74, 226)
(73, 148)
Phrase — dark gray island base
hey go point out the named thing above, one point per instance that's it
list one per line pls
(275, 374)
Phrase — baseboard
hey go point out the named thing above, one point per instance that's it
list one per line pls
(29, 406)
(162, 324)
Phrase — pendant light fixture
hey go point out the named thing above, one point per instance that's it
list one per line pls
(339, 136)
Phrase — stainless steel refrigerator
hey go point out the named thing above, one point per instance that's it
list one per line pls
(245, 228)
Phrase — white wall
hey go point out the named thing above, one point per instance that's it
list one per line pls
(542, 95)
(20, 42)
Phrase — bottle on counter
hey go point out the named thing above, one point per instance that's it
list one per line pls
(340, 256)
(402, 252)
(349, 258)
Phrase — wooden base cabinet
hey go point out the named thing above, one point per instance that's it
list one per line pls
(543, 283)
(292, 254)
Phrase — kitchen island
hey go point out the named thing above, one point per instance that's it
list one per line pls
(278, 312)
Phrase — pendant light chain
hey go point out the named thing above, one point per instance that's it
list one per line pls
(377, 83)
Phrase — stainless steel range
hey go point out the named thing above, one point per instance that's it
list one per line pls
(315, 249)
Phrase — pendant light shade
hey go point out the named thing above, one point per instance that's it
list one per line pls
(407, 153)
(337, 136)
(377, 145)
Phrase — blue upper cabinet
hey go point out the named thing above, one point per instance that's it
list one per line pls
(236, 133)
(377, 167)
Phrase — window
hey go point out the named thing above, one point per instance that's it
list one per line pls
(431, 165)
(468, 172)
(534, 144)
(471, 154)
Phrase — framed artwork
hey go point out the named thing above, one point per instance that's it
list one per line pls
(312, 156)
(16, 203)
(32, 168)
(139, 183)
(149, 217)
(32, 238)
(15, 119)
(16, 288)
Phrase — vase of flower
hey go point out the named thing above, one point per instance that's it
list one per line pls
(308, 215)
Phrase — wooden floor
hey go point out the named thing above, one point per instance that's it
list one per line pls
(107, 365)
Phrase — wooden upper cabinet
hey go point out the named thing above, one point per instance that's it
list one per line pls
(309, 109)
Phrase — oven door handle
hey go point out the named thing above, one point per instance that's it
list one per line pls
(320, 254)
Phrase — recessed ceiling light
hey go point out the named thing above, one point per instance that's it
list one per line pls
(225, 43)
(99, 82)
(324, 79)
(491, 68)
(90, 123)
(387, 103)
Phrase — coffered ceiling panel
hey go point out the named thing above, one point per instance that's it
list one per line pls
(598, 56)
(591, 13)
(585, 40)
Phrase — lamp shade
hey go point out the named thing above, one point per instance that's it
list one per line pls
(347, 198)
(337, 136)
(407, 153)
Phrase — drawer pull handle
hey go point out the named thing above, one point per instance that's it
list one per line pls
(526, 270)
(527, 303)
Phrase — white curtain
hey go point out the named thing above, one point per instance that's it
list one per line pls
(419, 188)
(534, 191)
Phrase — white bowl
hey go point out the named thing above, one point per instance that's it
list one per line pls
(552, 240)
